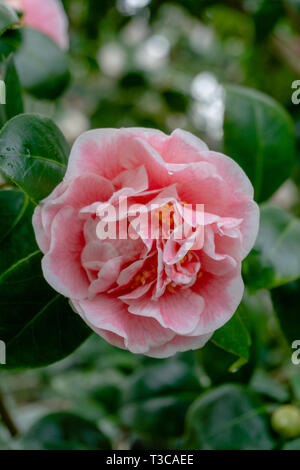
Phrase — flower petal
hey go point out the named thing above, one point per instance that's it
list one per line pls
(222, 296)
(62, 264)
(179, 344)
(108, 152)
(108, 314)
(179, 311)
(49, 17)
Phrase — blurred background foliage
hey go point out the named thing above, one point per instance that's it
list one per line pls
(162, 64)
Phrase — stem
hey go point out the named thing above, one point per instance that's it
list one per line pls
(6, 418)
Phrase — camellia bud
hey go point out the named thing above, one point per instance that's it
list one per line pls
(286, 421)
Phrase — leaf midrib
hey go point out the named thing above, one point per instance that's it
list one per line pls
(17, 264)
(239, 419)
(35, 157)
(33, 319)
(17, 218)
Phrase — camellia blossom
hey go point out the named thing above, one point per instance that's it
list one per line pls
(153, 296)
(47, 16)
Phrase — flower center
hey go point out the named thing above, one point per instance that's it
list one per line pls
(148, 274)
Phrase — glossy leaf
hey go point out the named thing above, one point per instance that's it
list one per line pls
(286, 301)
(99, 390)
(10, 42)
(14, 98)
(42, 65)
(220, 366)
(265, 18)
(33, 154)
(259, 135)
(275, 259)
(12, 204)
(17, 239)
(228, 418)
(158, 397)
(66, 431)
(234, 338)
(8, 17)
(267, 386)
(37, 325)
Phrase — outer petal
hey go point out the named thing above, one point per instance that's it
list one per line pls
(77, 193)
(222, 296)
(111, 315)
(42, 234)
(108, 152)
(179, 344)
(42, 237)
(175, 149)
(227, 168)
(62, 264)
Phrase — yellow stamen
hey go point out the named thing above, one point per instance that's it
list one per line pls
(170, 288)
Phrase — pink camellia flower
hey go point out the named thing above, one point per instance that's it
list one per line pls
(47, 16)
(150, 295)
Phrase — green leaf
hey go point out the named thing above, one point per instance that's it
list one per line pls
(286, 301)
(11, 208)
(100, 390)
(292, 445)
(228, 351)
(295, 385)
(10, 42)
(230, 22)
(265, 385)
(14, 98)
(37, 325)
(259, 135)
(220, 366)
(42, 66)
(234, 338)
(275, 259)
(17, 239)
(158, 397)
(8, 17)
(65, 431)
(265, 17)
(33, 154)
(228, 418)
